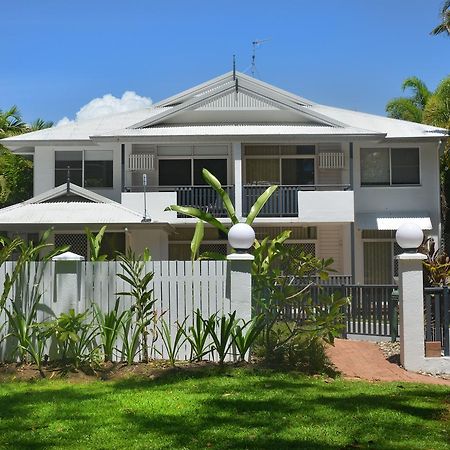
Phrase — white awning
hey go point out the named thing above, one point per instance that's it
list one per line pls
(391, 221)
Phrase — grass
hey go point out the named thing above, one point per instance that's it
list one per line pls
(232, 409)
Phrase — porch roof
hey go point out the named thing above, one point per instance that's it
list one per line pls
(68, 204)
(392, 220)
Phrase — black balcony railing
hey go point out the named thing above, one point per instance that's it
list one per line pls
(202, 197)
(284, 201)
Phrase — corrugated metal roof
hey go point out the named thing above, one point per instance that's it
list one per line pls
(393, 128)
(89, 208)
(236, 130)
(74, 213)
(84, 129)
(343, 121)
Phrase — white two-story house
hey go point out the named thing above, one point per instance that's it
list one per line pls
(346, 179)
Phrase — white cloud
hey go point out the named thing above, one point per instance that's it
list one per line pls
(108, 104)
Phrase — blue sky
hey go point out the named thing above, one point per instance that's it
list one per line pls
(58, 55)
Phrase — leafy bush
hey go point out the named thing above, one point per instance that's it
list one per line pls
(75, 338)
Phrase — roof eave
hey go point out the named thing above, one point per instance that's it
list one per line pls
(247, 137)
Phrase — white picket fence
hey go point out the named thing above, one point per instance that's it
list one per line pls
(180, 288)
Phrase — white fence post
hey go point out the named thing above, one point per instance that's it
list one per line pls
(241, 237)
(410, 279)
(240, 284)
(69, 282)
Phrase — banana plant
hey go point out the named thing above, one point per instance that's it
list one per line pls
(95, 243)
(204, 216)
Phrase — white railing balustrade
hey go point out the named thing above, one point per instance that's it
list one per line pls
(141, 162)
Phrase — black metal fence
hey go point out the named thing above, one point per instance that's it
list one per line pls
(437, 316)
(372, 311)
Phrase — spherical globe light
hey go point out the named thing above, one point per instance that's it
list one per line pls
(241, 236)
(409, 236)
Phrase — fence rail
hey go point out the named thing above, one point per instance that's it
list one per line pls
(373, 309)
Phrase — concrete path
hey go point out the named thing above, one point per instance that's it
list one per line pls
(365, 361)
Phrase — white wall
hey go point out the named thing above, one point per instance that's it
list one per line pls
(44, 168)
(156, 203)
(326, 206)
(423, 198)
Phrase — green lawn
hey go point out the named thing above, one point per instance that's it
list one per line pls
(237, 409)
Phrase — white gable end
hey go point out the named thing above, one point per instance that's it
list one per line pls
(238, 100)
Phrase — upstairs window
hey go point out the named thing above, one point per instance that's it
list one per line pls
(89, 168)
(68, 164)
(390, 166)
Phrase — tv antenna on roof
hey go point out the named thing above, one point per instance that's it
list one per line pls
(256, 44)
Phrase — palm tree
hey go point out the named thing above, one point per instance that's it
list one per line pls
(444, 26)
(410, 108)
(437, 109)
(16, 172)
(40, 124)
(11, 123)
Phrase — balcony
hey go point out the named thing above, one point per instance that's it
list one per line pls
(202, 197)
(284, 202)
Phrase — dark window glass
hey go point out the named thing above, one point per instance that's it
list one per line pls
(405, 166)
(98, 174)
(298, 150)
(297, 171)
(175, 172)
(68, 162)
(111, 243)
(218, 167)
(375, 167)
(75, 176)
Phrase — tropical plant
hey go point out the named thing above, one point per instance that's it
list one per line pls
(283, 280)
(410, 108)
(245, 336)
(131, 334)
(16, 172)
(198, 336)
(437, 264)
(172, 346)
(21, 325)
(75, 337)
(95, 244)
(207, 217)
(134, 267)
(444, 26)
(221, 331)
(40, 124)
(16, 178)
(11, 123)
(110, 326)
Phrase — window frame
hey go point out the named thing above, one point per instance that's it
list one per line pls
(279, 157)
(390, 184)
(191, 158)
(83, 159)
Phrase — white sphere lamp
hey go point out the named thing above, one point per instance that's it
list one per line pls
(409, 236)
(241, 237)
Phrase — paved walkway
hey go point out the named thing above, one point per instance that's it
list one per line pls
(364, 360)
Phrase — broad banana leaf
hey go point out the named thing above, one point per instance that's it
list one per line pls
(197, 239)
(227, 203)
(198, 214)
(259, 204)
